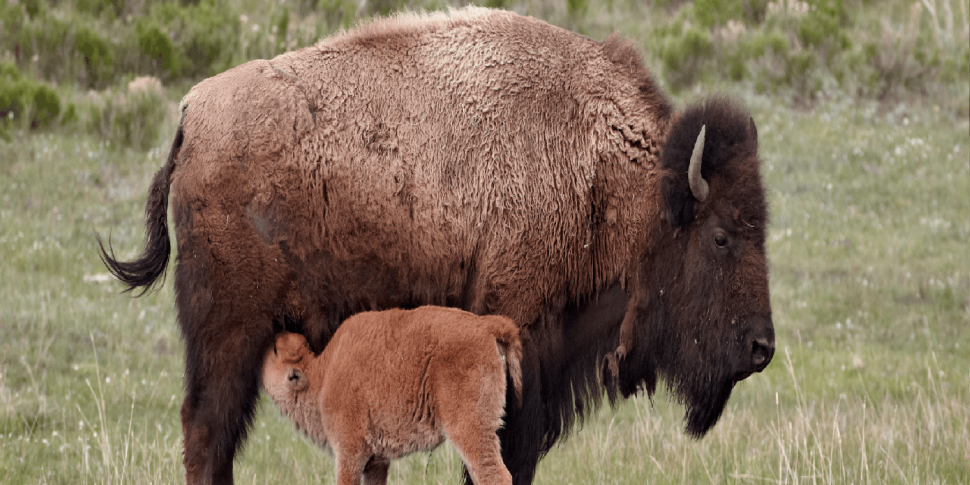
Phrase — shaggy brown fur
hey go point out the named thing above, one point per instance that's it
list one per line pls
(399, 381)
(480, 160)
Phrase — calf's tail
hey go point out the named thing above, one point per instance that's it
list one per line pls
(145, 270)
(507, 336)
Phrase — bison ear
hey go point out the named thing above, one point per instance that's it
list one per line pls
(297, 380)
(678, 202)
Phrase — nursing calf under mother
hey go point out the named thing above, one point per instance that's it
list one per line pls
(476, 159)
(395, 382)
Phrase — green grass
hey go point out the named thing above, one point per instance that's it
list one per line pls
(869, 266)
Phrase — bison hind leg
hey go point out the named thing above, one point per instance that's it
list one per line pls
(218, 409)
(225, 339)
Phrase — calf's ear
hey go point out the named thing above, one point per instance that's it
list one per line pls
(297, 380)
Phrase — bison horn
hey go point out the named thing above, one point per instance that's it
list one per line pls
(698, 186)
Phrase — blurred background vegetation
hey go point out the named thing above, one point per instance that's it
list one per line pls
(72, 64)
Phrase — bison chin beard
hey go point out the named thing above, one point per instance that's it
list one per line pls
(703, 393)
(701, 377)
(704, 405)
(702, 385)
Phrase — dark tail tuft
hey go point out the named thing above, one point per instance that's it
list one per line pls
(145, 270)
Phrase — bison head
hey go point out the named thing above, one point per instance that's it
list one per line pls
(283, 367)
(709, 310)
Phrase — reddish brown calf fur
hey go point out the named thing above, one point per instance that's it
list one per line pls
(399, 381)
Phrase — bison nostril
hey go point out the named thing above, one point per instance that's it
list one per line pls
(761, 352)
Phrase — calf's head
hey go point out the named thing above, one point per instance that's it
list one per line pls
(711, 325)
(284, 368)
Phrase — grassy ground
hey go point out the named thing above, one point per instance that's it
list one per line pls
(870, 285)
(871, 382)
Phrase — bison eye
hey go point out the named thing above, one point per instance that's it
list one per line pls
(720, 240)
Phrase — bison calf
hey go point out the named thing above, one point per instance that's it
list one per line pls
(394, 382)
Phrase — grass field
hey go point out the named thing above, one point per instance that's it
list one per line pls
(869, 266)
(870, 281)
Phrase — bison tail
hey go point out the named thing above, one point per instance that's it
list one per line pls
(507, 336)
(145, 270)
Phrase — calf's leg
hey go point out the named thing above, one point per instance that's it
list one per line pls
(480, 449)
(351, 462)
(470, 407)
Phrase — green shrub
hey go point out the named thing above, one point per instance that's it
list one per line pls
(129, 117)
(755, 11)
(577, 8)
(825, 25)
(45, 40)
(157, 46)
(34, 8)
(70, 116)
(685, 48)
(799, 69)
(954, 69)
(12, 19)
(281, 20)
(97, 54)
(765, 41)
(384, 7)
(334, 15)
(717, 12)
(109, 9)
(204, 35)
(46, 105)
(30, 103)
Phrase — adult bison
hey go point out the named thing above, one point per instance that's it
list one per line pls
(480, 160)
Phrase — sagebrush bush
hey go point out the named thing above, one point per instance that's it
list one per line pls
(97, 53)
(25, 102)
(685, 48)
(108, 8)
(129, 117)
(158, 47)
(205, 35)
(796, 47)
(824, 24)
(711, 13)
(334, 15)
